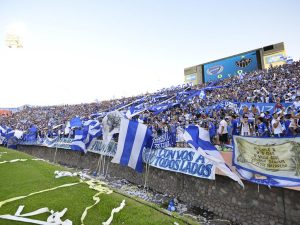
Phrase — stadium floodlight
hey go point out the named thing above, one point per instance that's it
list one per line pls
(13, 41)
(14, 35)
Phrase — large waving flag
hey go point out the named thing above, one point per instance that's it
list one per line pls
(91, 129)
(157, 109)
(133, 137)
(12, 137)
(81, 140)
(95, 129)
(198, 138)
(133, 110)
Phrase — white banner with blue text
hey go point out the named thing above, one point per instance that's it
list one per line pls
(180, 160)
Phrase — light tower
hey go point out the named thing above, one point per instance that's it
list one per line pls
(14, 36)
(13, 41)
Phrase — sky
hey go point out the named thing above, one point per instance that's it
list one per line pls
(77, 51)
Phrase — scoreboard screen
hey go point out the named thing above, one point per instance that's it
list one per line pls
(232, 66)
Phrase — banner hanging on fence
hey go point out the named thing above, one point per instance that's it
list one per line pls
(102, 148)
(180, 160)
(168, 139)
(277, 159)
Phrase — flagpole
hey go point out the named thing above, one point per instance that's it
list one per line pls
(55, 155)
(148, 165)
(100, 164)
(97, 168)
(103, 165)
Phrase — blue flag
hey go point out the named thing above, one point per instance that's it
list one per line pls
(75, 122)
(133, 138)
(32, 134)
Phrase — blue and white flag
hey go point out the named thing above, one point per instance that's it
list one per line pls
(198, 138)
(157, 109)
(81, 139)
(94, 128)
(140, 100)
(133, 138)
(158, 97)
(98, 114)
(75, 122)
(91, 129)
(134, 110)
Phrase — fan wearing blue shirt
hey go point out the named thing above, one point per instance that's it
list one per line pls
(262, 129)
(234, 124)
(212, 131)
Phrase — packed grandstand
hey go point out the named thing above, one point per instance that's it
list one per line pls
(261, 103)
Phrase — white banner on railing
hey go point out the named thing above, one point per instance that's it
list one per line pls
(180, 160)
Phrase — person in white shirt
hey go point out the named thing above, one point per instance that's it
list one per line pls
(298, 91)
(223, 132)
(276, 125)
(246, 127)
(296, 103)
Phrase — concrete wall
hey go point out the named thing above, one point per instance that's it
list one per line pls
(252, 206)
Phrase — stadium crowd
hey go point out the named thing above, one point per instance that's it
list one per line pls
(276, 85)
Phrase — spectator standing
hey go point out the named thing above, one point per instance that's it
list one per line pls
(223, 132)
(262, 130)
(276, 125)
(245, 127)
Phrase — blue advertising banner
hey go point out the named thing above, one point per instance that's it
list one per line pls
(180, 160)
(232, 66)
